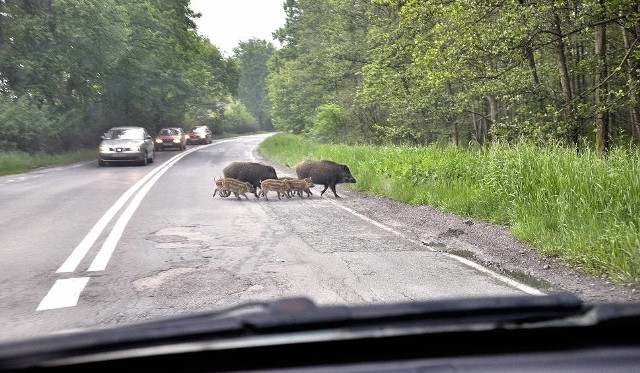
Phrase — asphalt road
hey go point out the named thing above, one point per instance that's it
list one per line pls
(84, 246)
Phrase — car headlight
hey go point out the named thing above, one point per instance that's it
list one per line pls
(176, 141)
(104, 148)
(159, 141)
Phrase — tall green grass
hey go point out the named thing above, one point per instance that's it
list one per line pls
(582, 208)
(15, 162)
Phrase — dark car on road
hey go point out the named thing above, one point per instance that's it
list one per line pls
(171, 138)
(126, 145)
(199, 135)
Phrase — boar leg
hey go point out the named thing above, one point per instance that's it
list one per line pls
(333, 189)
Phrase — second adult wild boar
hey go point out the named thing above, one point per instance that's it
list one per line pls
(327, 173)
(251, 172)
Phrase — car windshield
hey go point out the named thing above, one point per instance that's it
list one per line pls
(125, 134)
(169, 132)
(162, 159)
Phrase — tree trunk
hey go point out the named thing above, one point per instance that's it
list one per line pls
(632, 76)
(477, 127)
(600, 99)
(565, 82)
(528, 52)
(493, 108)
(453, 125)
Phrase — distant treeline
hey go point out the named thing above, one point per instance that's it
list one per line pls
(70, 69)
(416, 72)
(354, 71)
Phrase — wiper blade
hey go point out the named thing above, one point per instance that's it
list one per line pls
(299, 320)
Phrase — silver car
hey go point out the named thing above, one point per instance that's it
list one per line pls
(126, 144)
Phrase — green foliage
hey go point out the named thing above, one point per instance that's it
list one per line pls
(432, 71)
(580, 207)
(237, 119)
(26, 126)
(319, 63)
(253, 56)
(329, 124)
(81, 67)
(292, 102)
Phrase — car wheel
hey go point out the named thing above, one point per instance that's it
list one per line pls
(145, 160)
(102, 163)
(153, 157)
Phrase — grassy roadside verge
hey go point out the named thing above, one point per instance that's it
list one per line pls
(19, 162)
(583, 208)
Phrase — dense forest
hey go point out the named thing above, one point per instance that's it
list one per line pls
(356, 71)
(70, 69)
(460, 72)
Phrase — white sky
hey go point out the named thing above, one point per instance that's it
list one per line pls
(228, 22)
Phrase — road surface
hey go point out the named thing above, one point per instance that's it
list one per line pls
(85, 246)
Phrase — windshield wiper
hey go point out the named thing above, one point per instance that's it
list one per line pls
(299, 321)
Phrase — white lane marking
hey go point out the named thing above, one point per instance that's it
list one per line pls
(102, 258)
(377, 224)
(522, 287)
(87, 242)
(64, 293)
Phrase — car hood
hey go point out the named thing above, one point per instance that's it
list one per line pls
(121, 143)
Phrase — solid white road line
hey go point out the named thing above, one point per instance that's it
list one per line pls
(522, 287)
(102, 258)
(87, 242)
(64, 293)
(72, 262)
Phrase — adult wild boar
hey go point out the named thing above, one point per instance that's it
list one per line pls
(251, 172)
(327, 173)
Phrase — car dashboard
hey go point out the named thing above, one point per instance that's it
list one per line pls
(505, 334)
